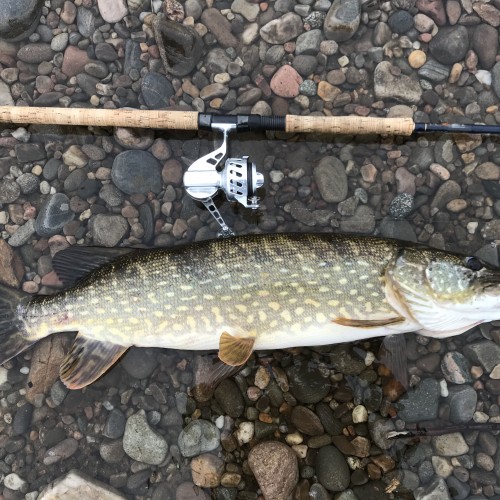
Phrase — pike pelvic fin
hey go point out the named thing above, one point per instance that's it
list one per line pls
(74, 263)
(235, 351)
(13, 335)
(87, 360)
(373, 323)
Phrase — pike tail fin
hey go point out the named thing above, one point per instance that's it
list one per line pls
(13, 335)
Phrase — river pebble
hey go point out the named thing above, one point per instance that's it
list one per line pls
(141, 442)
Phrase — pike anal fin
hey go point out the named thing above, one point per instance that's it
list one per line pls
(87, 360)
(373, 323)
(235, 351)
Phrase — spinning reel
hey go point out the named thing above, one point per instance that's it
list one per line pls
(238, 178)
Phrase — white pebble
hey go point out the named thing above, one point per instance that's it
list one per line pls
(14, 482)
(21, 134)
(480, 417)
(219, 422)
(472, 226)
(483, 77)
(444, 388)
(4, 217)
(25, 370)
(3, 375)
(276, 176)
(245, 431)
(343, 61)
(369, 358)
(359, 414)
(294, 438)
(300, 450)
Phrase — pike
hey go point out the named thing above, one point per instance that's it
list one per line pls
(247, 293)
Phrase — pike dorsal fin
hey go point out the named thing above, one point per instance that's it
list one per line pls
(87, 361)
(235, 351)
(74, 263)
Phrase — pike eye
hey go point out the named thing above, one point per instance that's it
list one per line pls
(473, 263)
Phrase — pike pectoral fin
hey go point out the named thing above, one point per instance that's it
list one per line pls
(393, 355)
(372, 323)
(235, 351)
(87, 361)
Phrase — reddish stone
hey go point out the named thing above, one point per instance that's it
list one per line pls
(434, 9)
(74, 61)
(11, 266)
(286, 82)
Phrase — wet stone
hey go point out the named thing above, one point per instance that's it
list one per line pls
(142, 443)
(306, 384)
(401, 206)
(450, 44)
(420, 403)
(23, 234)
(22, 419)
(115, 424)
(139, 363)
(456, 368)
(60, 451)
(28, 183)
(156, 91)
(199, 436)
(306, 421)
(486, 353)
(462, 401)
(27, 153)
(108, 230)
(54, 214)
(35, 53)
(332, 469)
(331, 178)
(112, 451)
(180, 46)
(275, 467)
(230, 398)
(26, 14)
(450, 445)
(136, 172)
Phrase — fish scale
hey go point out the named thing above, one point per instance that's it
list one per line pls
(245, 293)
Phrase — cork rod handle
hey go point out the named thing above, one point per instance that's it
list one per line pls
(351, 125)
(188, 120)
(173, 120)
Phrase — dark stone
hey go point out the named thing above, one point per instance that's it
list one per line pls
(87, 83)
(420, 403)
(230, 398)
(115, 424)
(307, 384)
(22, 419)
(156, 91)
(19, 18)
(450, 44)
(137, 172)
(332, 469)
(139, 363)
(462, 400)
(400, 22)
(179, 45)
(105, 52)
(28, 153)
(54, 214)
(35, 53)
(147, 222)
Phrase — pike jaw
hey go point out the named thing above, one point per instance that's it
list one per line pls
(445, 293)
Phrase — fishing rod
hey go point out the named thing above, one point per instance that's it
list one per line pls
(237, 177)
